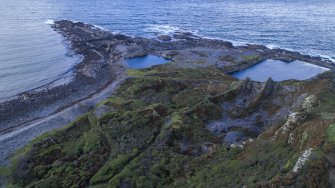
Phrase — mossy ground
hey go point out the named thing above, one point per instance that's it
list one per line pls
(155, 136)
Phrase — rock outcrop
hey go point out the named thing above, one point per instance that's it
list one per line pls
(186, 123)
(247, 86)
(164, 38)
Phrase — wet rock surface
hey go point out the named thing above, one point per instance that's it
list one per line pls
(164, 38)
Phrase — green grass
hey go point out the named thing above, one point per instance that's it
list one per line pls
(327, 103)
(4, 171)
(251, 57)
(153, 137)
(135, 72)
(330, 134)
(328, 116)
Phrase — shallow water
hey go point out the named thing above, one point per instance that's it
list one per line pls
(279, 71)
(145, 61)
(31, 54)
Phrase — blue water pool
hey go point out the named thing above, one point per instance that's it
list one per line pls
(280, 70)
(145, 61)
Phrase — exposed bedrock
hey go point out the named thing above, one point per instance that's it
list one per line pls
(103, 62)
(103, 49)
(178, 124)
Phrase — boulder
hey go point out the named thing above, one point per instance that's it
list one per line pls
(164, 38)
(294, 119)
(309, 103)
(268, 88)
(180, 36)
(246, 86)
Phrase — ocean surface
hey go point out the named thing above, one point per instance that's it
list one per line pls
(32, 54)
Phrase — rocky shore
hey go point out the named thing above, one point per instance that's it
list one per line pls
(104, 53)
(102, 70)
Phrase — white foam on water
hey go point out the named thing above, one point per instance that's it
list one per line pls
(237, 43)
(276, 46)
(169, 30)
(102, 28)
(326, 57)
(162, 29)
(165, 29)
(272, 46)
(49, 21)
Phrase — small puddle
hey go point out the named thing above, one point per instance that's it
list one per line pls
(280, 70)
(146, 61)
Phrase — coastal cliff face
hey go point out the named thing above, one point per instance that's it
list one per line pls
(176, 125)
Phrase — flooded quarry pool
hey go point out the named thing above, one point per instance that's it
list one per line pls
(280, 70)
(145, 61)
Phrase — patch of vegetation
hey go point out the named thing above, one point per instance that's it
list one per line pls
(4, 171)
(328, 103)
(330, 136)
(251, 58)
(237, 167)
(227, 58)
(156, 136)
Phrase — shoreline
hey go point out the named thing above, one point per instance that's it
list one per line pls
(50, 96)
(20, 136)
(102, 67)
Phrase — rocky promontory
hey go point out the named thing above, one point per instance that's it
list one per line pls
(187, 123)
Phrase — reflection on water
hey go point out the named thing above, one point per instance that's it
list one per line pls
(279, 71)
(145, 61)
